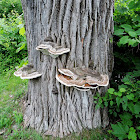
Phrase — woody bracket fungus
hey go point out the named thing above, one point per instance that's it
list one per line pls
(27, 72)
(81, 78)
(48, 47)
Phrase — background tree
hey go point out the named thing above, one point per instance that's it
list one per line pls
(86, 28)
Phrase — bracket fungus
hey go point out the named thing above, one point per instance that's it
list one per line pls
(81, 78)
(27, 72)
(52, 49)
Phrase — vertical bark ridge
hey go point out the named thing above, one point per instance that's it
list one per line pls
(85, 27)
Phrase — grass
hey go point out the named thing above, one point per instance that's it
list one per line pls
(12, 91)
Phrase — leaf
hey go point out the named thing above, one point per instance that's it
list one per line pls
(111, 103)
(125, 103)
(131, 33)
(132, 135)
(129, 29)
(120, 130)
(137, 108)
(123, 86)
(126, 116)
(122, 90)
(22, 31)
(20, 48)
(132, 42)
(138, 127)
(126, 119)
(126, 26)
(137, 40)
(119, 94)
(119, 32)
(111, 90)
(131, 107)
(127, 80)
(118, 101)
(138, 32)
(132, 5)
(97, 106)
(130, 97)
(106, 104)
(124, 40)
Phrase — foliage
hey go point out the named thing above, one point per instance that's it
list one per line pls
(13, 46)
(122, 99)
(127, 22)
(6, 6)
(123, 104)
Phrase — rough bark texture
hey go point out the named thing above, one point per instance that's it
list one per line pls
(84, 26)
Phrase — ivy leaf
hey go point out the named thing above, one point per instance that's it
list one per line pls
(131, 33)
(111, 103)
(122, 90)
(124, 40)
(120, 130)
(119, 32)
(111, 90)
(119, 94)
(132, 134)
(106, 104)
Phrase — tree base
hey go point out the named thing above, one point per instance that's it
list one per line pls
(63, 114)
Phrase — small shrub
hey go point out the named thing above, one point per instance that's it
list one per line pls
(124, 106)
(13, 47)
(6, 6)
(127, 22)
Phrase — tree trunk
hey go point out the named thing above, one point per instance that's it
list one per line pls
(84, 26)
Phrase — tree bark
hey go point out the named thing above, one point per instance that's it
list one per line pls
(84, 26)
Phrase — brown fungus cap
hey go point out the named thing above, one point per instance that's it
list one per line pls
(104, 81)
(82, 78)
(27, 72)
(52, 49)
(67, 81)
(44, 47)
(24, 68)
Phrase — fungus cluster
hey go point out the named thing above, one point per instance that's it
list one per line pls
(27, 72)
(52, 49)
(81, 78)
(48, 47)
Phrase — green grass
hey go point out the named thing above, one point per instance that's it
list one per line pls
(12, 91)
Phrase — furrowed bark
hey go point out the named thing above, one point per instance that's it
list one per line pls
(85, 27)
